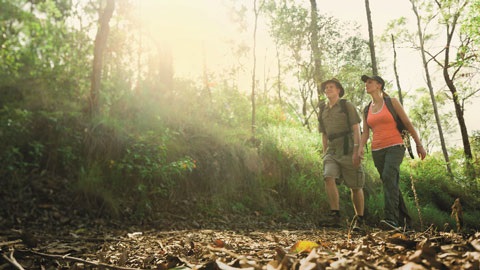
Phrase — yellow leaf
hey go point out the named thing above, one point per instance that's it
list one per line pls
(399, 236)
(304, 246)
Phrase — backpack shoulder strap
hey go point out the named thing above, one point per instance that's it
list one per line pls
(365, 112)
(343, 105)
(390, 107)
(400, 126)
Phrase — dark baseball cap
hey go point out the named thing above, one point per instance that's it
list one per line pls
(375, 78)
(336, 82)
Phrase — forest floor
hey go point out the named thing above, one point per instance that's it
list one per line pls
(45, 232)
(98, 245)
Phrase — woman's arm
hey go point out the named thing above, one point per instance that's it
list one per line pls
(408, 124)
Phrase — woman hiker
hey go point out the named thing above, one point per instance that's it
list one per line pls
(387, 148)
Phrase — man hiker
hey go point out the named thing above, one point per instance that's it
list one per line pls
(339, 125)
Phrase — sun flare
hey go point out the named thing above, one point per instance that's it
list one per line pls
(191, 30)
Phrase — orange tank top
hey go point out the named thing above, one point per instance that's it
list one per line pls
(384, 127)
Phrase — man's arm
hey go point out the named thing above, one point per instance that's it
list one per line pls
(363, 139)
(356, 143)
(324, 142)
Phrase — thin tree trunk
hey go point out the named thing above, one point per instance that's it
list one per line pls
(256, 11)
(139, 57)
(430, 87)
(100, 44)
(397, 79)
(456, 102)
(265, 77)
(317, 75)
(279, 76)
(371, 42)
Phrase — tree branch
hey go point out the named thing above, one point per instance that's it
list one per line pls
(434, 57)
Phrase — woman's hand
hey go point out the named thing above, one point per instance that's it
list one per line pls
(421, 151)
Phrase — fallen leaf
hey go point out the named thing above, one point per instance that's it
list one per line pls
(475, 244)
(218, 243)
(304, 246)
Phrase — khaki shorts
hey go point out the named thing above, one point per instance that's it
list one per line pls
(341, 168)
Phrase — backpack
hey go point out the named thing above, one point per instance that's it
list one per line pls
(400, 126)
(344, 134)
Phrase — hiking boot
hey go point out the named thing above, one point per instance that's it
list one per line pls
(386, 224)
(333, 220)
(358, 224)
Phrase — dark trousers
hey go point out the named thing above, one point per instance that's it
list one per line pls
(387, 161)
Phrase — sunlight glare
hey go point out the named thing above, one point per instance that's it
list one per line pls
(190, 29)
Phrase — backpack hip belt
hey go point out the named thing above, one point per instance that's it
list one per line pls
(334, 136)
(345, 136)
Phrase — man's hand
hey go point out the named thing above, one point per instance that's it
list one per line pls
(356, 159)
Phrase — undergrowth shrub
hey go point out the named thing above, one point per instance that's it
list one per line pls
(36, 141)
(437, 191)
(433, 216)
(293, 166)
(16, 139)
(374, 204)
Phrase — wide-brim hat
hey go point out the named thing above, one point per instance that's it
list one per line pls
(375, 78)
(336, 82)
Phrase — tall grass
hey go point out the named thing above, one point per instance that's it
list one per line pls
(293, 166)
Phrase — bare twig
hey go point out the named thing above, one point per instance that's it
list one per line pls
(9, 243)
(13, 261)
(241, 258)
(417, 203)
(74, 259)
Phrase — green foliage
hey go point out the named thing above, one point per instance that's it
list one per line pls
(434, 216)
(92, 192)
(374, 204)
(292, 165)
(14, 135)
(436, 191)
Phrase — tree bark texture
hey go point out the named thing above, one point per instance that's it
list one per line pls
(100, 44)
(449, 80)
(371, 42)
(430, 87)
(397, 79)
(317, 75)
(256, 11)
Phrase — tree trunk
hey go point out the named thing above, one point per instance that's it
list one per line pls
(256, 11)
(453, 89)
(279, 77)
(100, 44)
(430, 87)
(397, 79)
(371, 42)
(317, 75)
(458, 107)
